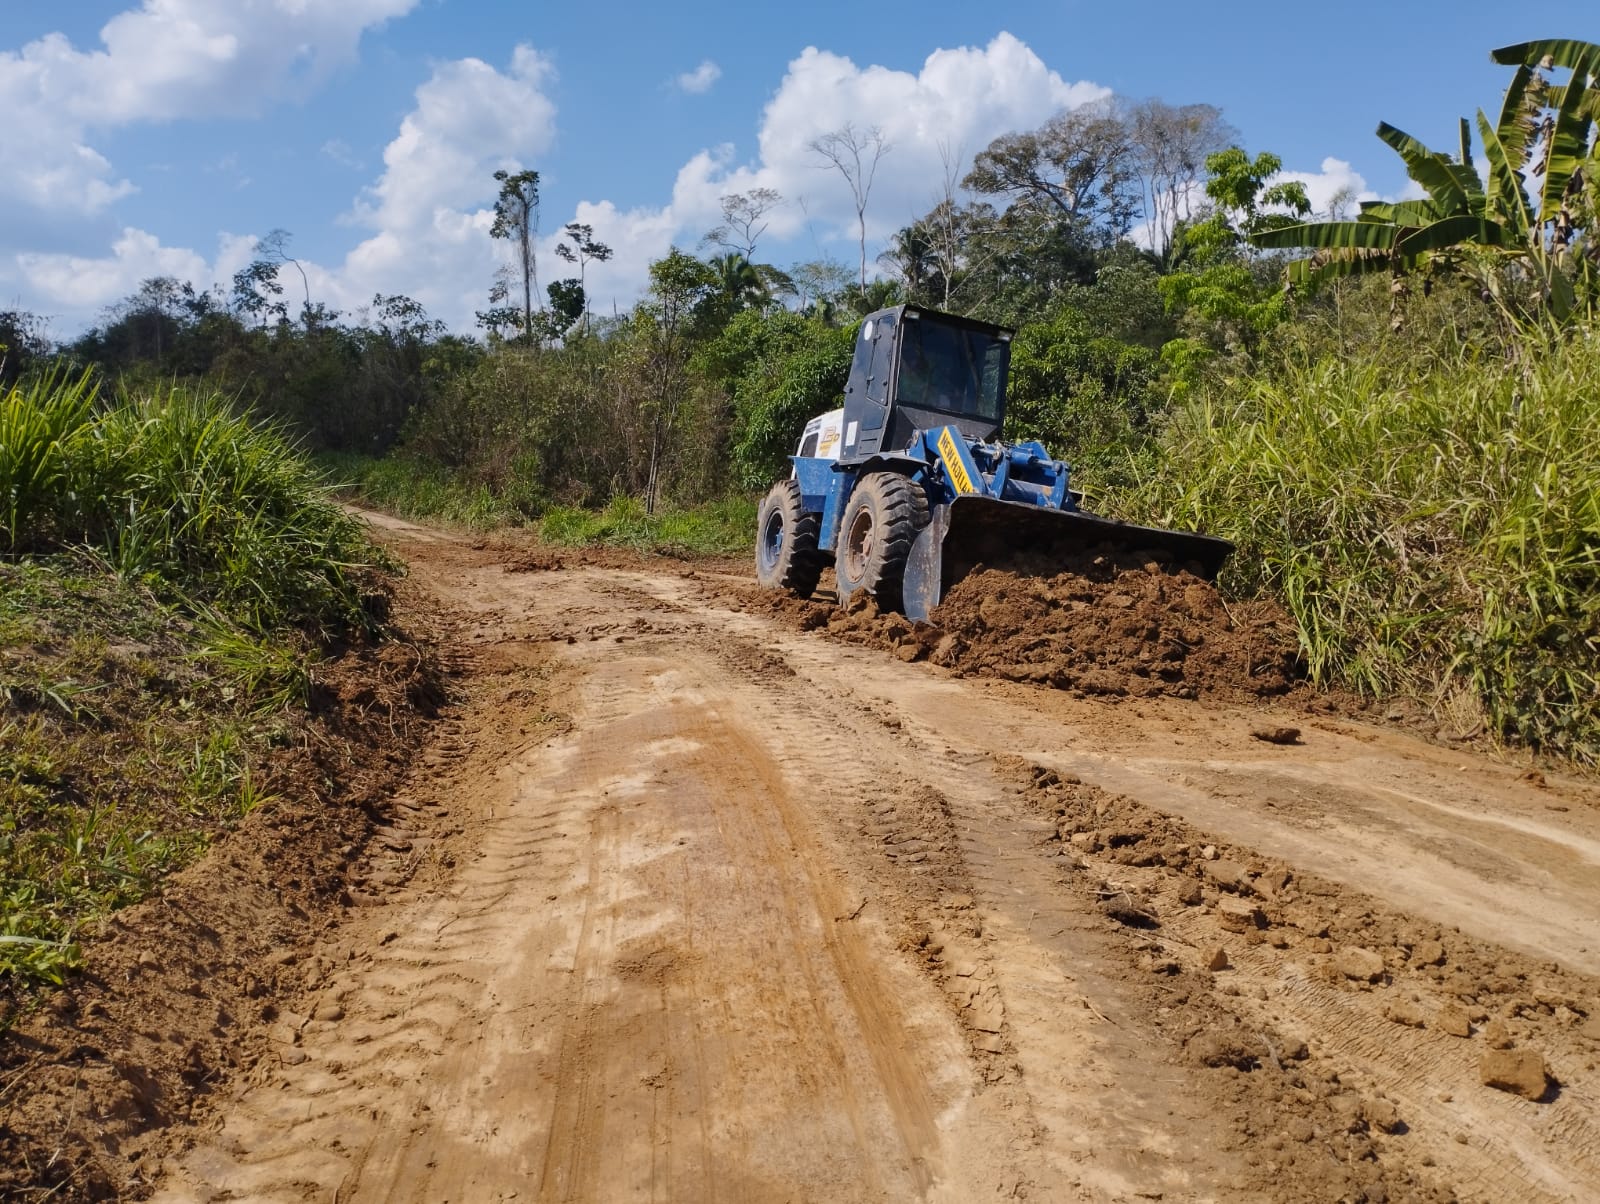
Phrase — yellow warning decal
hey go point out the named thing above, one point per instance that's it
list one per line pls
(953, 463)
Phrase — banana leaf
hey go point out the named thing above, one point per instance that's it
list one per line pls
(1329, 236)
(1562, 52)
(1428, 168)
(1505, 181)
(1452, 232)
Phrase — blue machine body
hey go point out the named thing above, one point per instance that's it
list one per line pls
(947, 466)
(925, 400)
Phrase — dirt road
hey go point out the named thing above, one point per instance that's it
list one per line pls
(692, 904)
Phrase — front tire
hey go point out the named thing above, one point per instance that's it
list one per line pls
(786, 542)
(880, 522)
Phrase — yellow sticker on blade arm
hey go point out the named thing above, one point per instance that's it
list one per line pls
(959, 479)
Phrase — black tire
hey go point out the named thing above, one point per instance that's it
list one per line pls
(881, 519)
(786, 542)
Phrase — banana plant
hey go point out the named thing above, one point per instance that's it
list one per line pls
(1536, 214)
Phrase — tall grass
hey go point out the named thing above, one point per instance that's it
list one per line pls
(179, 491)
(722, 528)
(418, 488)
(1434, 530)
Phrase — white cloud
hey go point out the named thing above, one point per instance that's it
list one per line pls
(1337, 184)
(428, 214)
(701, 78)
(430, 210)
(957, 104)
(86, 284)
(469, 120)
(164, 60)
(338, 150)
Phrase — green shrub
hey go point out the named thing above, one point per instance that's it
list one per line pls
(714, 528)
(183, 493)
(1434, 530)
(412, 486)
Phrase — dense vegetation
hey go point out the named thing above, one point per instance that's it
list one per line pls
(1400, 442)
(170, 574)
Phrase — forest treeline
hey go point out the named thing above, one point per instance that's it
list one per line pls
(1388, 405)
(702, 386)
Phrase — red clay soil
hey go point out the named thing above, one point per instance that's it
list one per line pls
(178, 992)
(1104, 623)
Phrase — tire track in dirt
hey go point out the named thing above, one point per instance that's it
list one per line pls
(526, 1027)
(771, 919)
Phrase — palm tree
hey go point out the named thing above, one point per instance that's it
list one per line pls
(740, 282)
(1550, 238)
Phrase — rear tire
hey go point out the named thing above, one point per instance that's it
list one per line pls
(881, 520)
(786, 542)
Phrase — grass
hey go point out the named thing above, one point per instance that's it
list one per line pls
(1434, 529)
(413, 487)
(720, 528)
(124, 747)
(169, 575)
(178, 491)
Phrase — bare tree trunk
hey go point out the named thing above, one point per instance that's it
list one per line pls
(844, 149)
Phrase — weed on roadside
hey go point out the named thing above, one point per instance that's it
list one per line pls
(127, 745)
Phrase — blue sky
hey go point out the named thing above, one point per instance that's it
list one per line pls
(164, 136)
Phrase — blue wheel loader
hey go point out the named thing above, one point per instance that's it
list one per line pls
(908, 487)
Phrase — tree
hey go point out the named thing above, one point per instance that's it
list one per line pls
(274, 248)
(568, 303)
(855, 155)
(22, 344)
(743, 220)
(1081, 164)
(581, 249)
(1502, 234)
(256, 289)
(680, 286)
(1219, 289)
(516, 219)
(1170, 145)
(910, 257)
(740, 283)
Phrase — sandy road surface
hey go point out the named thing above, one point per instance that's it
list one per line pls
(696, 906)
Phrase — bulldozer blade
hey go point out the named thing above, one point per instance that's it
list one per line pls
(977, 530)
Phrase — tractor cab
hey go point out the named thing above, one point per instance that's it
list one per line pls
(917, 369)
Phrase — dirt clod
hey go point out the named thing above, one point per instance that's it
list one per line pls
(1427, 953)
(1519, 1071)
(1276, 735)
(1454, 1021)
(1407, 1012)
(1239, 915)
(1363, 965)
(1381, 1114)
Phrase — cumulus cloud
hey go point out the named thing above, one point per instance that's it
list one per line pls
(85, 284)
(164, 60)
(431, 209)
(1334, 192)
(425, 219)
(959, 101)
(700, 79)
(469, 120)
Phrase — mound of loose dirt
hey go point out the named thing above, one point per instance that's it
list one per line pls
(1106, 622)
